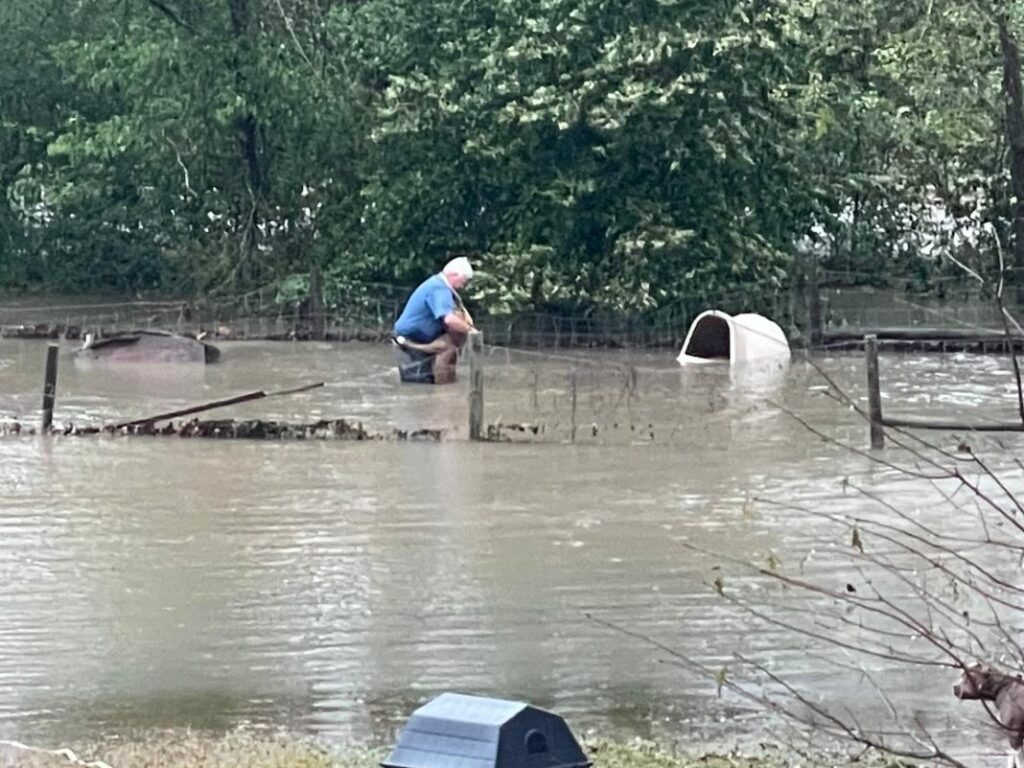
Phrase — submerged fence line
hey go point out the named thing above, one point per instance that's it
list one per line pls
(266, 313)
(368, 314)
(877, 422)
(301, 308)
(591, 396)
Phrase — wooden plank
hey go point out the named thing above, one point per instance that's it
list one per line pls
(953, 426)
(248, 396)
(919, 333)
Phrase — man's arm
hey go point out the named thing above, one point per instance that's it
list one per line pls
(456, 323)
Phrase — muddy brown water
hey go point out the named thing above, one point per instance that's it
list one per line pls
(333, 586)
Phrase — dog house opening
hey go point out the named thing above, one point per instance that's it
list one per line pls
(710, 339)
(536, 742)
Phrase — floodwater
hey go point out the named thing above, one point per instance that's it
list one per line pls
(332, 586)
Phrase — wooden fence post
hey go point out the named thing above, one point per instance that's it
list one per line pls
(874, 391)
(572, 434)
(815, 312)
(476, 385)
(316, 304)
(50, 386)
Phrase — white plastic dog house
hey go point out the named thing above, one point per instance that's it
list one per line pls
(716, 336)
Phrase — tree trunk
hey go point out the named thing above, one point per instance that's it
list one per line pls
(249, 134)
(1013, 96)
(318, 322)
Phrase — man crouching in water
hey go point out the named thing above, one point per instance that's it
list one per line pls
(434, 325)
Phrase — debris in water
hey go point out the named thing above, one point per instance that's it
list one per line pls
(229, 429)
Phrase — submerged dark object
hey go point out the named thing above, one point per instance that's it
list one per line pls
(227, 429)
(414, 367)
(476, 732)
(147, 347)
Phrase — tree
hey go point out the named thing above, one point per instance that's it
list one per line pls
(608, 158)
(198, 163)
(597, 156)
(33, 100)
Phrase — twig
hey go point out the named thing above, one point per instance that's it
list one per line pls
(184, 169)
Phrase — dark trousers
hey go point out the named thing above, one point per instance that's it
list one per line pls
(432, 363)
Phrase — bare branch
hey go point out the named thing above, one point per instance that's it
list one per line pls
(169, 13)
(181, 164)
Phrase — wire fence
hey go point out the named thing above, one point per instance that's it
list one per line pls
(864, 307)
(550, 377)
(263, 314)
(369, 316)
(645, 398)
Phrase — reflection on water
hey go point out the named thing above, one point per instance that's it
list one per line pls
(140, 381)
(334, 586)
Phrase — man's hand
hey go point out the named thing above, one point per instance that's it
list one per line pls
(456, 323)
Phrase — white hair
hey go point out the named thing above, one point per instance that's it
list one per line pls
(459, 266)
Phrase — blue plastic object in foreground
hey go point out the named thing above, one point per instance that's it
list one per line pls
(459, 731)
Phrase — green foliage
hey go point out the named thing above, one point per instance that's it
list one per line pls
(646, 152)
(596, 155)
(903, 131)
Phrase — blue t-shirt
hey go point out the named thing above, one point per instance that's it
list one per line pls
(422, 319)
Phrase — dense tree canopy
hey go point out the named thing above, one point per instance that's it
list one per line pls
(593, 154)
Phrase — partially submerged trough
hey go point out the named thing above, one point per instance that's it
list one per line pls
(143, 347)
(718, 337)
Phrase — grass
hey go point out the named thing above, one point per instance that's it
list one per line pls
(248, 749)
